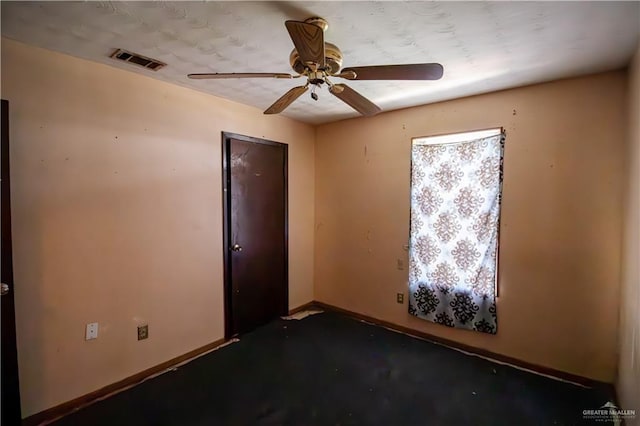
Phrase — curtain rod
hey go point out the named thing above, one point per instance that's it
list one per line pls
(502, 130)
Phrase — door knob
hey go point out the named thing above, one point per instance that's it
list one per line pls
(4, 289)
(236, 247)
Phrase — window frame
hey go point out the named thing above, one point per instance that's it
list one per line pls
(481, 133)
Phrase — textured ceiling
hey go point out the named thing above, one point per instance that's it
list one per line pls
(484, 46)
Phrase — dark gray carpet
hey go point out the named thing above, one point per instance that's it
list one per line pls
(328, 369)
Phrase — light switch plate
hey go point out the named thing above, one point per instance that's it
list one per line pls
(92, 331)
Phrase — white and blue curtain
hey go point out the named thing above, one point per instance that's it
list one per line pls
(455, 212)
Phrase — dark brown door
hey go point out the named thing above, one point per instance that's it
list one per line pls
(9, 374)
(256, 234)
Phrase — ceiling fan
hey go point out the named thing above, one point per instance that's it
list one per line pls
(318, 60)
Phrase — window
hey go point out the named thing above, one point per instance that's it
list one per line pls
(456, 185)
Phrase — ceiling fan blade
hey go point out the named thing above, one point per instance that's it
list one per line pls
(354, 99)
(308, 40)
(220, 75)
(286, 100)
(394, 72)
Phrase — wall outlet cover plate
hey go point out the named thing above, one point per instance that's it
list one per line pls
(143, 332)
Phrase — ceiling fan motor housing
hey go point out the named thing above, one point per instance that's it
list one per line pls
(333, 60)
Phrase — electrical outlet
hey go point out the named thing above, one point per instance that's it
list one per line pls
(400, 264)
(143, 332)
(92, 331)
(400, 298)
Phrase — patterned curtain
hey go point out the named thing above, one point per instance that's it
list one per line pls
(455, 211)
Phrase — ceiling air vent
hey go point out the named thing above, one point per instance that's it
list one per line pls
(134, 58)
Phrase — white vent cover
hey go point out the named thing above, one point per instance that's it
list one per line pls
(134, 58)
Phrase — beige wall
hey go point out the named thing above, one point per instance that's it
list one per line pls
(116, 186)
(628, 384)
(561, 219)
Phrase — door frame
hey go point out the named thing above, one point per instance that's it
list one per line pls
(10, 380)
(226, 223)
